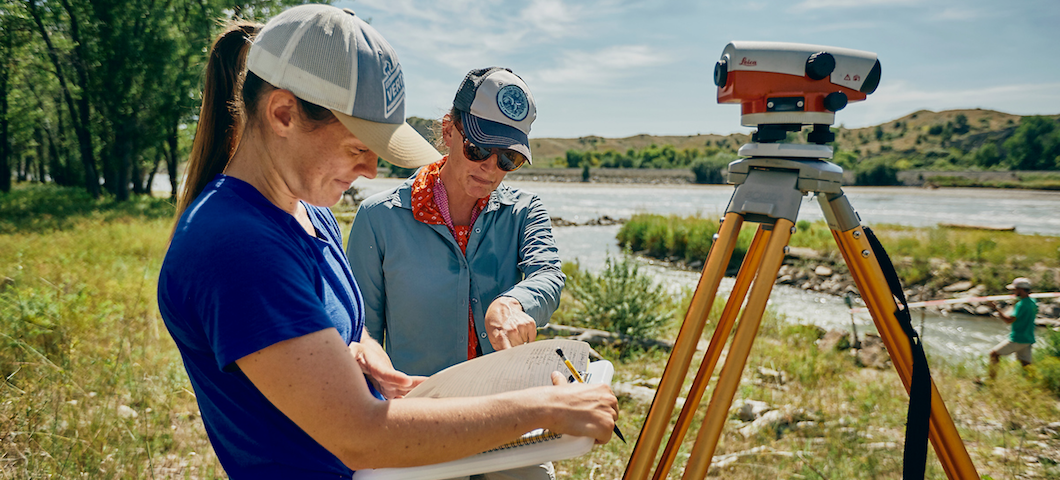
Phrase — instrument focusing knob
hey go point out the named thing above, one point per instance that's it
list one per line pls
(820, 65)
(835, 101)
(721, 72)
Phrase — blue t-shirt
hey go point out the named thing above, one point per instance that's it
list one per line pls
(241, 275)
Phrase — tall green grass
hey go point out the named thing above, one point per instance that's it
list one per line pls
(92, 384)
(686, 239)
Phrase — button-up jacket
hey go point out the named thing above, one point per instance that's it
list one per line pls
(416, 283)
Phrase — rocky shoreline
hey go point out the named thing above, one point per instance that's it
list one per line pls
(810, 270)
(604, 175)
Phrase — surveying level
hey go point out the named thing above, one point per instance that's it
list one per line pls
(783, 87)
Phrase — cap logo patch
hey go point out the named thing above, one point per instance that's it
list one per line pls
(393, 86)
(512, 101)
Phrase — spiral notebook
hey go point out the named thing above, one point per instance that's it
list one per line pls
(525, 366)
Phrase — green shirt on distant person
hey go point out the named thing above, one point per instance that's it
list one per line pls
(1025, 311)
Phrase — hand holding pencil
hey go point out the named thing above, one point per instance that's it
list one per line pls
(578, 378)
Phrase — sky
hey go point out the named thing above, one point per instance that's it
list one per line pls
(616, 68)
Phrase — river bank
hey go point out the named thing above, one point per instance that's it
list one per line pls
(1010, 179)
(677, 243)
(649, 176)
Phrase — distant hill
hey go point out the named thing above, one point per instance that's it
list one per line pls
(920, 138)
(925, 130)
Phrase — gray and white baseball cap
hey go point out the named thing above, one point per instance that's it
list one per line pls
(496, 109)
(330, 57)
(1020, 282)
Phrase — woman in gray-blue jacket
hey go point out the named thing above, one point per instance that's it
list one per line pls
(453, 264)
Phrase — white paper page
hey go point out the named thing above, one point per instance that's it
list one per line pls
(517, 368)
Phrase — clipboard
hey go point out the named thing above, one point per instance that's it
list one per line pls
(531, 449)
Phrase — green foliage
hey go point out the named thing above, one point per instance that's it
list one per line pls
(982, 246)
(651, 156)
(104, 90)
(683, 238)
(845, 159)
(1047, 374)
(621, 300)
(1051, 347)
(713, 169)
(987, 156)
(876, 173)
(1035, 145)
(960, 125)
(960, 141)
(43, 207)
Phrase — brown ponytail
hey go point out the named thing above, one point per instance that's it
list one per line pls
(222, 116)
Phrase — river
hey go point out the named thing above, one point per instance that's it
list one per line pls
(955, 337)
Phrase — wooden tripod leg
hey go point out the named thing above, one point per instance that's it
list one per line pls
(868, 275)
(717, 342)
(670, 384)
(729, 380)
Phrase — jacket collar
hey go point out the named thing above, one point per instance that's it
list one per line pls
(402, 196)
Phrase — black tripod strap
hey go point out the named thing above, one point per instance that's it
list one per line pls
(918, 418)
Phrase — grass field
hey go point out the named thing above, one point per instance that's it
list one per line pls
(94, 387)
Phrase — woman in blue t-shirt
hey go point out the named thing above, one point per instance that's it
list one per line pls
(255, 288)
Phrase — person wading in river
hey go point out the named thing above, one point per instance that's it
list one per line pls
(1021, 338)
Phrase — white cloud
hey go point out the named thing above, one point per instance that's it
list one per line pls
(552, 17)
(954, 13)
(817, 4)
(459, 33)
(601, 67)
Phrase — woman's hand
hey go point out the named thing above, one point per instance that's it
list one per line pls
(507, 325)
(375, 364)
(589, 410)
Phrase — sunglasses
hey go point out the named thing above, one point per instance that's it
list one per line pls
(507, 159)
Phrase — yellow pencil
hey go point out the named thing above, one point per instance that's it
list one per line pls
(578, 377)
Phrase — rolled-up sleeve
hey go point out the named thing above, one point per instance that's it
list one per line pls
(543, 278)
(366, 261)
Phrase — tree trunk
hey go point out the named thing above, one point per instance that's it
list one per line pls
(79, 117)
(148, 185)
(117, 175)
(71, 175)
(42, 154)
(137, 177)
(5, 151)
(129, 162)
(60, 175)
(171, 161)
(20, 166)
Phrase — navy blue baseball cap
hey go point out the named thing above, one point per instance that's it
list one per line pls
(496, 109)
